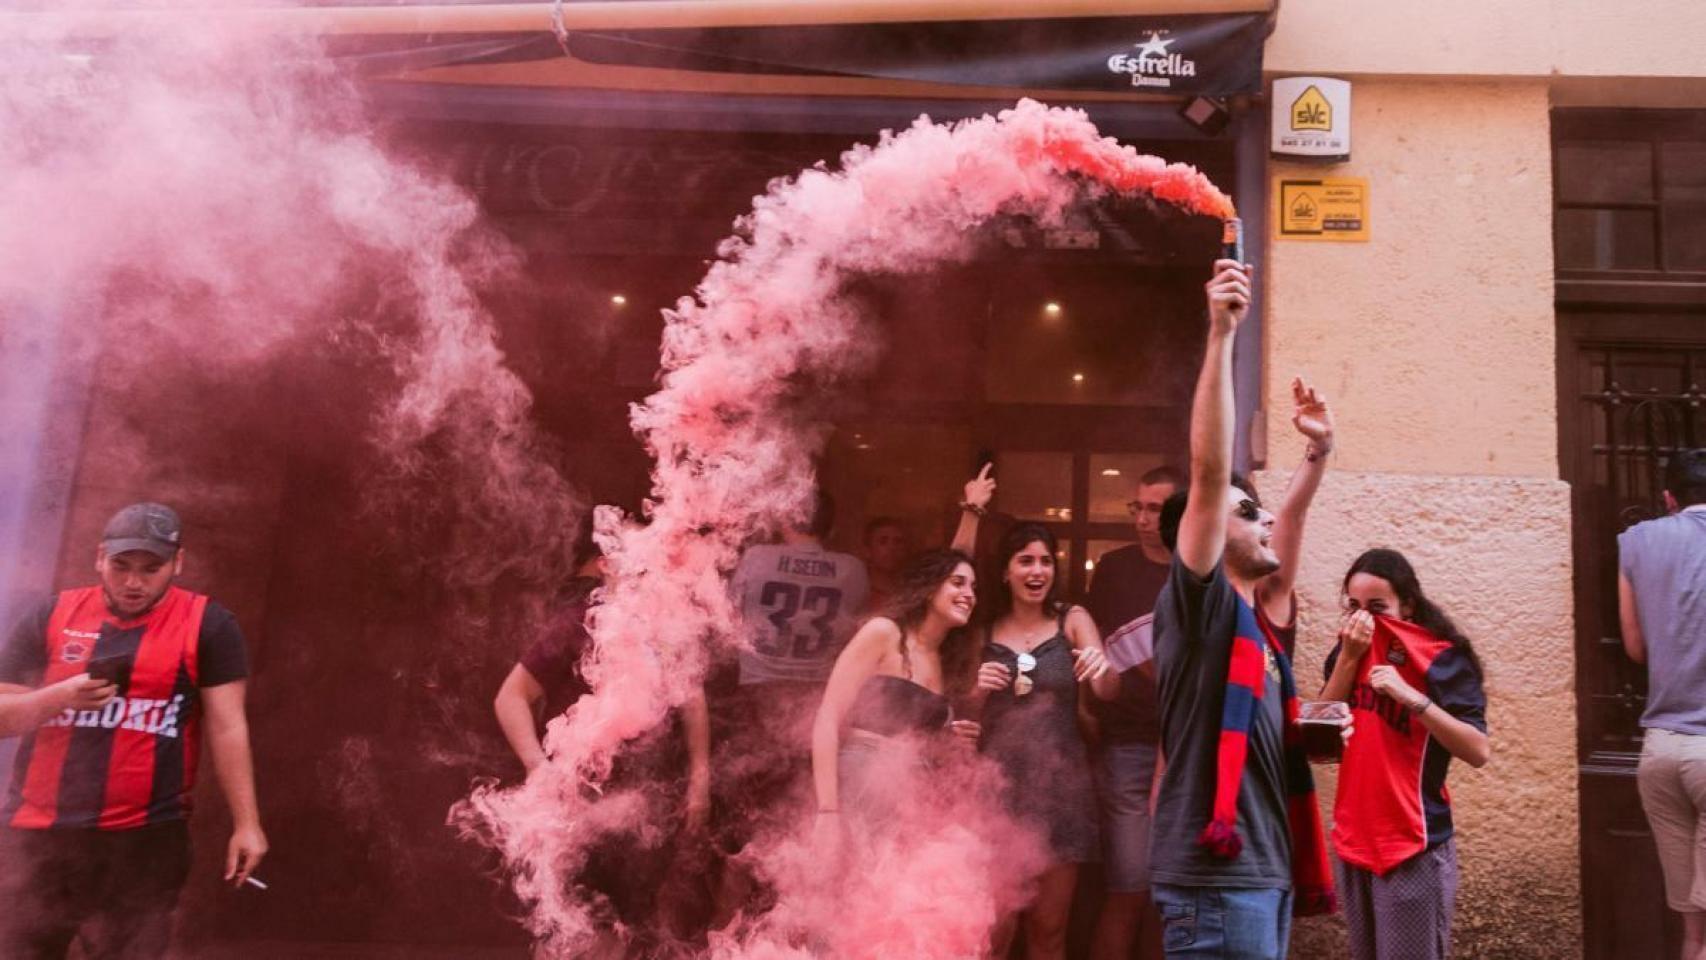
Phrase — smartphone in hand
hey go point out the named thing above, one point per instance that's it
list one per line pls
(113, 668)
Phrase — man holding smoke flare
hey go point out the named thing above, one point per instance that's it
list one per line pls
(112, 686)
(1237, 847)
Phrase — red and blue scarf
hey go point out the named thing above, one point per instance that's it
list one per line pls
(1311, 876)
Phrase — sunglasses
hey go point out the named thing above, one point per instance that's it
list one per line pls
(1247, 509)
(1022, 682)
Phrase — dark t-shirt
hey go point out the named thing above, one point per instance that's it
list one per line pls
(1125, 587)
(554, 660)
(220, 654)
(1195, 622)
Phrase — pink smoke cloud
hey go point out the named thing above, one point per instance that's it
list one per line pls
(748, 362)
(196, 193)
(195, 204)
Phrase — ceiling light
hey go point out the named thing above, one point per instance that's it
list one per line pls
(1078, 378)
(1111, 472)
(619, 300)
(1051, 308)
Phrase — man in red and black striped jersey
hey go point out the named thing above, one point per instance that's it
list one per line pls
(113, 684)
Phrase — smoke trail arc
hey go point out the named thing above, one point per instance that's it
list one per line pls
(732, 436)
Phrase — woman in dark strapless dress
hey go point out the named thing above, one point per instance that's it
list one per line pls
(890, 685)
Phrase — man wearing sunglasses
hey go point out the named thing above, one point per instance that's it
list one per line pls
(1237, 846)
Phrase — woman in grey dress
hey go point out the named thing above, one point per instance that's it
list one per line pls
(1039, 654)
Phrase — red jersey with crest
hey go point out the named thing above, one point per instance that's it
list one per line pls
(1392, 801)
(132, 762)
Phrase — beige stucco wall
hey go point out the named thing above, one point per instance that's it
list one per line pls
(1434, 340)
(1508, 38)
(1435, 337)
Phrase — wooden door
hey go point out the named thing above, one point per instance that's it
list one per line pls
(1632, 392)
(1629, 226)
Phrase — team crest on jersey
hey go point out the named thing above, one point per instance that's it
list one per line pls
(75, 647)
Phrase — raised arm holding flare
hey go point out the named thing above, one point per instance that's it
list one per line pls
(1202, 536)
(1237, 846)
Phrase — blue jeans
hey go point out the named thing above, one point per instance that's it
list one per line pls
(1227, 923)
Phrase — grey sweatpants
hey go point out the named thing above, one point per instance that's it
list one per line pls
(1405, 915)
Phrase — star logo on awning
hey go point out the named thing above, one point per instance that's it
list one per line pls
(1154, 46)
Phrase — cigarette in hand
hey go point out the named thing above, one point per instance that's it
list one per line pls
(251, 881)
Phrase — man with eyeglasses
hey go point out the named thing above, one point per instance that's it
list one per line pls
(1237, 847)
(1128, 580)
(1123, 591)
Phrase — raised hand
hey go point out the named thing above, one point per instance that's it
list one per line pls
(1311, 415)
(1228, 295)
(981, 488)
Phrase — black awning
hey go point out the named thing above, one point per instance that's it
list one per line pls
(1218, 55)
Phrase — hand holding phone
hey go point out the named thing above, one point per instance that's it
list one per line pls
(114, 669)
(80, 692)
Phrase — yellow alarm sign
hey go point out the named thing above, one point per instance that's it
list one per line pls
(1331, 208)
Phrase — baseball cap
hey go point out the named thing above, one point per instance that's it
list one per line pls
(153, 527)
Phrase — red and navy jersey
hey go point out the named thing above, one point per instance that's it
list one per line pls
(1392, 802)
(132, 762)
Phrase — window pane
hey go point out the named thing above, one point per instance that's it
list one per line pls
(1605, 172)
(910, 471)
(1685, 235)
(1683, 166)
(1605, 239)
(1113, 482)
(1035, 486)
(1092, 335)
